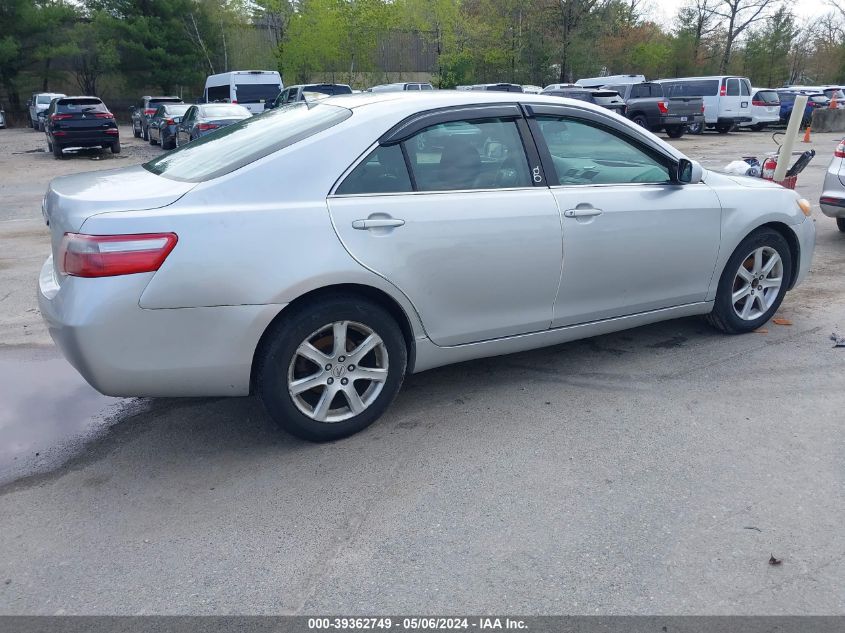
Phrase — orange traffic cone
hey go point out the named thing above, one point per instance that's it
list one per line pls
(806, 135)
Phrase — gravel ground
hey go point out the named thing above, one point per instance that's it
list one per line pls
(652, 471)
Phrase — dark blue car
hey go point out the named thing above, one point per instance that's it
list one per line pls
(814, 101)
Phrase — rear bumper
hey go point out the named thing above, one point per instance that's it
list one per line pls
(735, 120)
(832, 204)
(85, 139)
(122, 349)
(682, 119)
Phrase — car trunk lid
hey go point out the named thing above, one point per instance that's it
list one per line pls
(71, 200)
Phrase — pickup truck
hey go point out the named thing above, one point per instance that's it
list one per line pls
(648, 107)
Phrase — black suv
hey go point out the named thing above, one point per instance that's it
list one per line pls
(80, 122)
(142, 113)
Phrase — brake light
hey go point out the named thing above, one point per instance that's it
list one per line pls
(663, 106)
(207, 126)
(150, 111)
(111, 255)
(702, 108)
(723, 91)
(112, 130)
(234, 100)
(60, 117)
(170, 122)
(839, 152)
(757, 102)
(104, 115)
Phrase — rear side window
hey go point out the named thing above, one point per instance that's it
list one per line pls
(246, 141)
(462, 155)
(732, 89)
(697, 88)
(383, 171)
(744, 88)
(81, 104)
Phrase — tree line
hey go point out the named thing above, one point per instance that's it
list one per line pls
(162, 44)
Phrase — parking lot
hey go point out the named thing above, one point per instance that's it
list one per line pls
(650, 471)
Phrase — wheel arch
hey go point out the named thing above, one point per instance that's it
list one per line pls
(376, 295)
(791, 239)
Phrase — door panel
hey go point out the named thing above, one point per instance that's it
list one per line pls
(476, 265)
(652, 246)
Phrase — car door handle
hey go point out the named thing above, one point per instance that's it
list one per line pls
(377, 223)
(582, 213)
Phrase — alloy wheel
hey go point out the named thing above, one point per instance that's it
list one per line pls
(337, 371)
(757, 283)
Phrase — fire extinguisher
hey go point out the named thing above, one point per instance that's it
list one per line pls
(769, 166)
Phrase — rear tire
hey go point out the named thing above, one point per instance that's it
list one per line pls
(840, 223)
(146, 133)
(325, 412)
(115, 147)
(743, 294)
(724, 128)
(695, 128)
(675, 131)
(166, 144)
(152, 141)
(758, 127)
(640, 120)
(135, 131)
(57, 151)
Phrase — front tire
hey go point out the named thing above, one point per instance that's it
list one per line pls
(675, 131)
(640, 120)
(330, 369)
(840, 223)
(753, 283)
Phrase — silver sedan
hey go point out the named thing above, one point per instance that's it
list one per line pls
(317, 253)
(832, 201)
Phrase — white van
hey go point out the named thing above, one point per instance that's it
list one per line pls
(598, 82)
(249, 88)
(727, 99)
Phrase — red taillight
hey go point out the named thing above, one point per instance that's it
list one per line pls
(60, 117)
(839, 152)
(757, 102)
(702, 108)
(234, 100)
(150, 111)
(170, 122)
(663, 106)
(111, 255)
(112, 130)
(723, 91)
(203, 127)
(104, 115)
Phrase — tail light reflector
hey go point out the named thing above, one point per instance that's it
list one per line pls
(839, 152)
(757, 102)
(663, 106)
(112, 130)
(203, 127)
(111, 255)
(60, 117)
(104, 115)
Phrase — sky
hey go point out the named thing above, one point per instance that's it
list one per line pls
(664, 10)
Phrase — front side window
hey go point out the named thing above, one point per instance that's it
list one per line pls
(479, 154)
(744, 88)
(246, 141)
(383, 171)
(586, 154)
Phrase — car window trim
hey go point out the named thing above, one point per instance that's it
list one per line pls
(595, 119)
(418, 121)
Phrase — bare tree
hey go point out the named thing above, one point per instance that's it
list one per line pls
(739, 15)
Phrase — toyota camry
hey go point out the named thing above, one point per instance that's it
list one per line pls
(318, 253)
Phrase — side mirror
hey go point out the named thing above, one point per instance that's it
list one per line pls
(177, 119)
(689, 172)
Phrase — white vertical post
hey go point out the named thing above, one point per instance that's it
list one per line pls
(792, 130)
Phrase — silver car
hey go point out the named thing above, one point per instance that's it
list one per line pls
(317, 253)
(832, 201)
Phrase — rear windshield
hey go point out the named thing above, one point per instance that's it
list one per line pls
(159, 101)
(698, 88)
(834, 93)
(177, 109)
(581, 95)
(786, 97)
(819, 99)
(767, 96)
(43, 99)
(224, 111)
(257, 93)
(329, 89)
(81, 104)
(246, 141)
